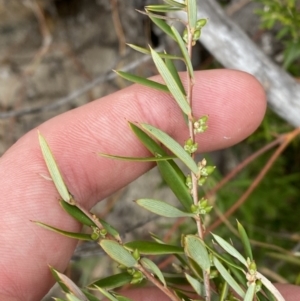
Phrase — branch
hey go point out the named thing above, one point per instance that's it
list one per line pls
(226, 41)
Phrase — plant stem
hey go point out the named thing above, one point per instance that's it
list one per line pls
(190, 85)
(158, 284)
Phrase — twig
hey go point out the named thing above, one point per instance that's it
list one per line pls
(287, 139)
(118, 27)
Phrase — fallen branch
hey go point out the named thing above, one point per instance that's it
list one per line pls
(227, 42)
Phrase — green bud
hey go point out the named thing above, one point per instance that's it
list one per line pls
(122, 267)
(136, 254)
(130, 271)
(189, 146)
(206, 171)
(95, 236)
(201, 181)
(201, 23)
(137, 275)
(258, 285)
(196, 35)
(213, 274)
(188, 182)
(252, 268)
(194, 209)
(203, 203)
(103, 232)
(135, 281)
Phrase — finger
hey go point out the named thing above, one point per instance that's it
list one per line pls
(234, 101)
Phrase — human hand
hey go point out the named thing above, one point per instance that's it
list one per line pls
(235, 102)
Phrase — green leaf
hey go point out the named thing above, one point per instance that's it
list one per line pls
(80, 236)
(228, 278)
(138, 159)
(169, 170)
(112, 282)
(171, 83)
(173, 146)
(230, 249)
(150, 265)
(143, 81)
(118, 253)
(73, 298)
(106, 294)
(161, 8)
(153, 248)
(196, 285)
(192, 13)
(110, 229)
(54, 170)
(184, 51)
(194, 248)
(245, 241)
(172, 68)
(250, 292)
(161, 54)
(68, 285)
(76, 213)
(163, 26)
(90, 296)
(175, 3)
(161, 208)
(224, 291)
(270, 287)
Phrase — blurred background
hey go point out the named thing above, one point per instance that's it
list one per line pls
(56, 55)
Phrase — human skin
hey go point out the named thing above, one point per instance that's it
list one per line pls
(235, 103)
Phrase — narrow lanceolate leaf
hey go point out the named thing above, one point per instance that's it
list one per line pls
(153, 248)
(230, 249)
(150, 265)
(76, 213)
(68, 285)
(161, 208)
(138, 159)
(194, 248)
(192, 12)
(173, 146)
(110, 230)
(163, 26)
(268, 284)
(250, 292)
(171, 83)
(172, 68)
(161, 8)
(245, 241)
(143, 81)
(161, 54)
(53, 169)
(228, 278)
(112, 282)
(196, 285)
(73, 298)
(106, 294)
(80, 236)
(183, 50)
(169, 170)
(118, 253)
(175, 3)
